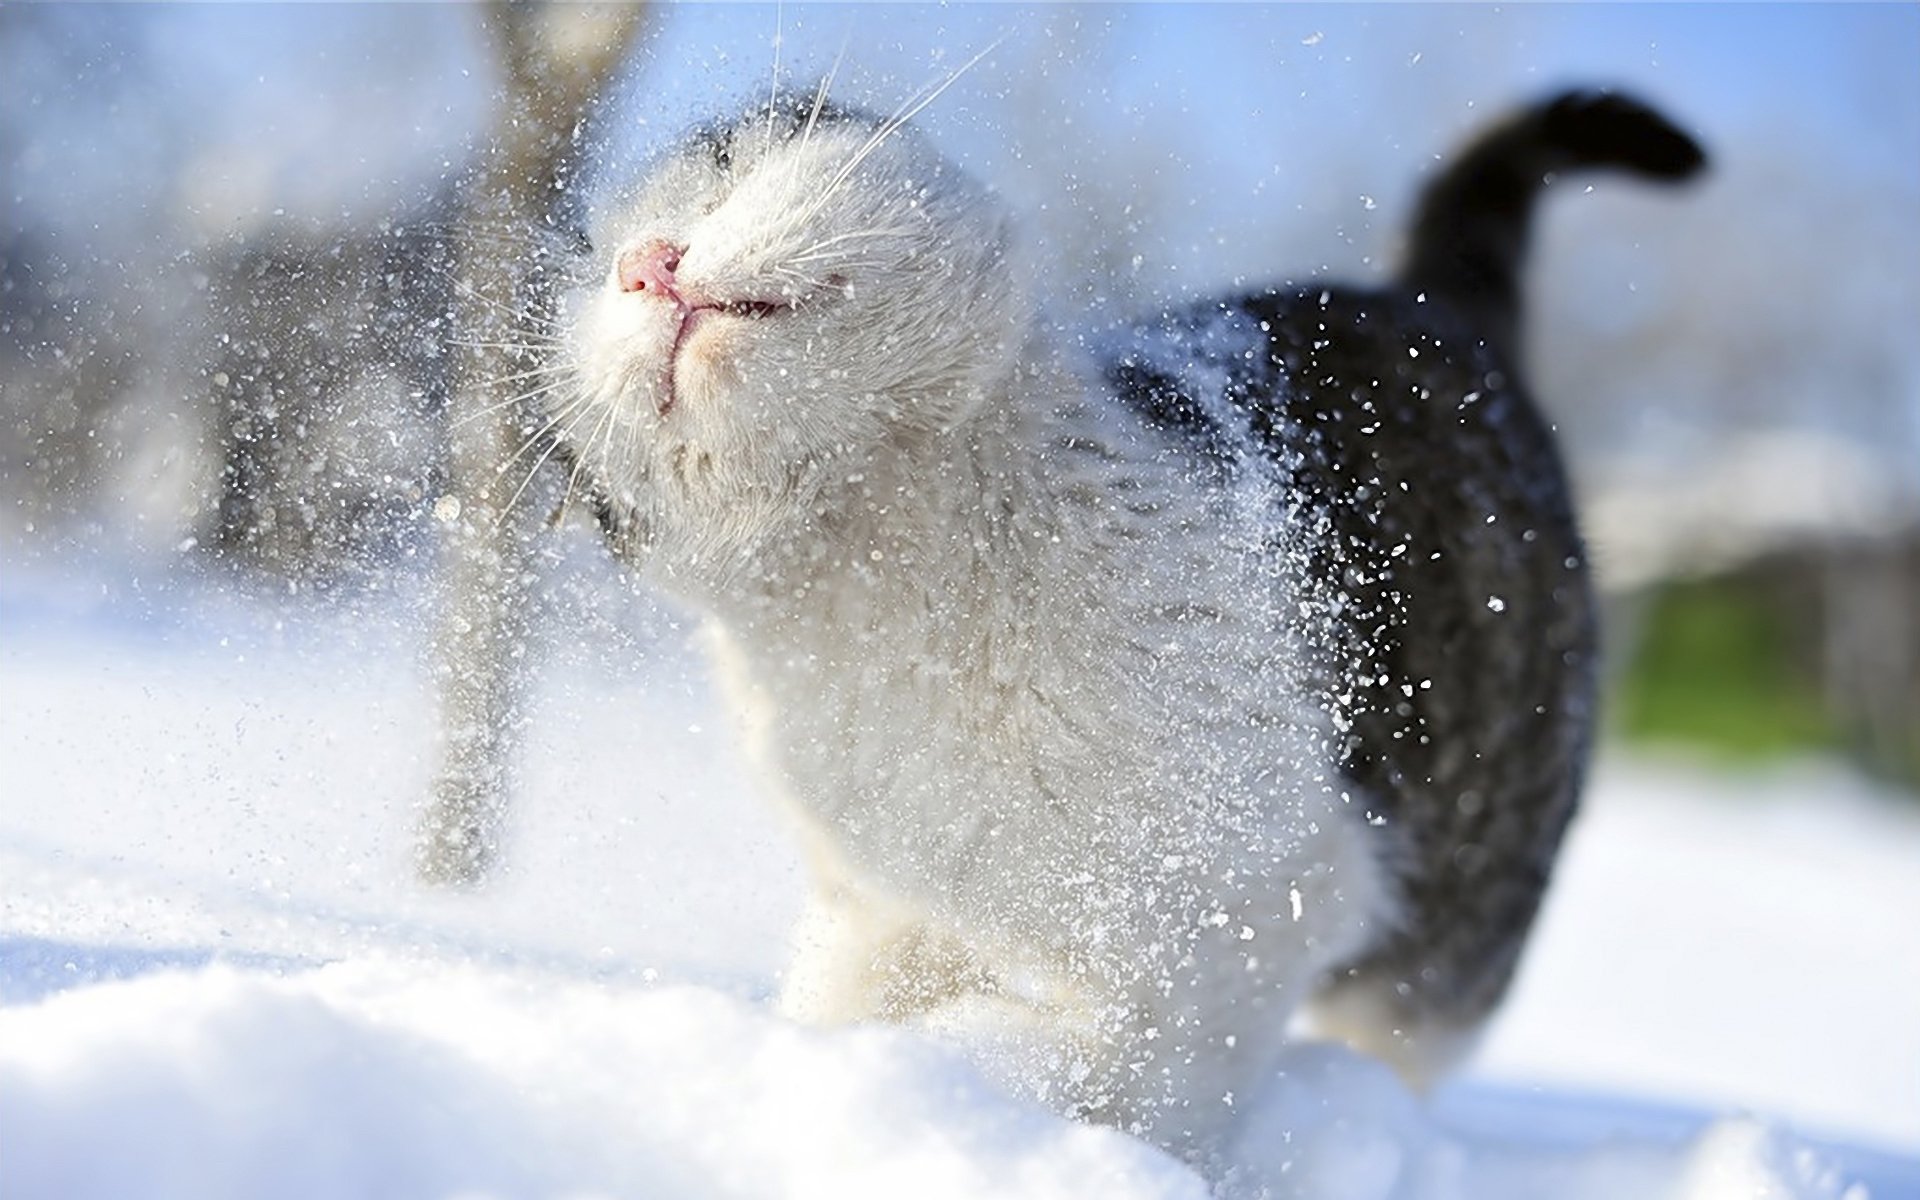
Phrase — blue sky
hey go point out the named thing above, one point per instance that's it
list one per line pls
(1385, 81)
(1204, 144)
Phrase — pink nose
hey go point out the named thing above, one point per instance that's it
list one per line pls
(649, 268)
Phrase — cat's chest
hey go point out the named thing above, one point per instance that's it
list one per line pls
(877, 725)
(981, 775)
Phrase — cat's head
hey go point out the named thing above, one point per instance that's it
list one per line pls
(785, 297)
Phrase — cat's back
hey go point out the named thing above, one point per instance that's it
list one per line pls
(1431, 543)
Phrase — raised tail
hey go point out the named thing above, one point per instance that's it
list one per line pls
(1471, 234)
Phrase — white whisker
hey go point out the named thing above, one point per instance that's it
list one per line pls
(813, 116)
(894, 231)
(912, 107)
(566, 411)
(773, 93)
(584, 409)
(820, 96)
(604, 427)
(545, 344)
(631, 441)
(516, 398)
(535, 372)
(516, 313)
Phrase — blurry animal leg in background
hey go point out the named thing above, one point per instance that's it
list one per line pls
(480, 663)
(554, 60)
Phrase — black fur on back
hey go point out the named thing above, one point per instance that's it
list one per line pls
(1443, 553)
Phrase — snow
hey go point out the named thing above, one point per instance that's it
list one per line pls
(217, 978)
(387, 1078)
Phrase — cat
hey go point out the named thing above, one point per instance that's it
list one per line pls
(1240, 668)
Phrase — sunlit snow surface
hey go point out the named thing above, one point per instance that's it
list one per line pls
(219, 980)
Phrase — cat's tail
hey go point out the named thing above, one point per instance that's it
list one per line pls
(1470, 237)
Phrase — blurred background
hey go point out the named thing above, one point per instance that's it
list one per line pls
(228, 293)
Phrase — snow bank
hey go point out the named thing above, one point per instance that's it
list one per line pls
(391, 1078)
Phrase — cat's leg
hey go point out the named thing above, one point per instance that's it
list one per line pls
(860, 955)
(1191, 1027)
(1175, 1048)
(1375, 1015)
(1419, 1001)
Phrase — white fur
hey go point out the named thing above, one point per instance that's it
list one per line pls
(1034, 689)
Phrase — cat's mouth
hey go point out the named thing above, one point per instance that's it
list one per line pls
(693, 316)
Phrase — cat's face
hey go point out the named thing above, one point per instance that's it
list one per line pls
(781, 300)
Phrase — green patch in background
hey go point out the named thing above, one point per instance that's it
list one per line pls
(1722, 667)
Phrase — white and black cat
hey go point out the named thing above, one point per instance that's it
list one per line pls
(1148, 697)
